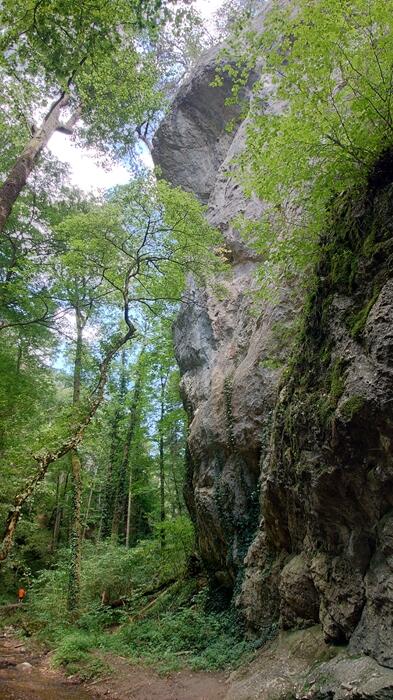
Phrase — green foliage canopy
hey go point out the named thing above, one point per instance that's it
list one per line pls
(320, 118)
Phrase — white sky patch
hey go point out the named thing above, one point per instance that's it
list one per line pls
(207, 8)
(86, 172)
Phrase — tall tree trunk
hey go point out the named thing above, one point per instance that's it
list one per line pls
(74, 577)
(162, 491)
(163, 381)
(121, 487)
(100, 510)
(80, 324)
(25, 163)
(177, 491)
(62, 478)
(88, 507)
(110, 486)
(129, 507)
(73, 599)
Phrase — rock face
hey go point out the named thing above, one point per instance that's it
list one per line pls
(298, 665)
(290, 483)
(223, 345)
(327, 493)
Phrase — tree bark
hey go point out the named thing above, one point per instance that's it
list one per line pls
(25, 163)
(62, 478)
(45, 458)
(163, 381)
(129, 508)
(110, 489)
(121, 493)
(74, 578)
(88, 506)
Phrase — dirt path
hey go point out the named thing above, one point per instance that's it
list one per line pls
(28, 676)
(133, 683)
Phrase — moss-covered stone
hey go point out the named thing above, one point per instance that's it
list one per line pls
(349, 409)
(359, 319)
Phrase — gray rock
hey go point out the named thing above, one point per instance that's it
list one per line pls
(227, 347)
(290, 486)
(192, 142)
(346, 678)
(24, 667)
(374, 634)
(299, 599)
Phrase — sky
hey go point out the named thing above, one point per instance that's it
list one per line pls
(85, 172)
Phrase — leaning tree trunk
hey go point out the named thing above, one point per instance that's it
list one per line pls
(25, 163)
(45, 458)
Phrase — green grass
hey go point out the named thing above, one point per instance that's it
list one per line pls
(351, 407)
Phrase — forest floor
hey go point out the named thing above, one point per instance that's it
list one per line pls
(26, 674)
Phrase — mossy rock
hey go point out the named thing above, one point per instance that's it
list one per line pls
(351, 407)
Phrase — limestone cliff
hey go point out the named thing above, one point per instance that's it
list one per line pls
(289, 479)
(224, 348)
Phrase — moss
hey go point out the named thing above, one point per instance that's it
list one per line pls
(228, 391)
(271, 363)
(337, 382)
(325, 409)
(351, 407)
(344, 265)
(369, 244)
(359, 320)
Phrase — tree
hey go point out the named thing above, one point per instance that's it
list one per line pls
(329, 66)
(135, 252)
(96, 66)
(120, 497)
(45, 457)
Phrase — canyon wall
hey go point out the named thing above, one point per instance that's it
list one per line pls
(290, 474)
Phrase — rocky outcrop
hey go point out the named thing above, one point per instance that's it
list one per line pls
(299, 666)
(228, 350)
(290, 483)
(327, 491)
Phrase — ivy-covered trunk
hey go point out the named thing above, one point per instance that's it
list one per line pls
(109, 493)
(163, 381)
(73, 601)
(60, 499)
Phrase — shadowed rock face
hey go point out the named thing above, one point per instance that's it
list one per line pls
(324, 551)
(192, 142)
(290, 485)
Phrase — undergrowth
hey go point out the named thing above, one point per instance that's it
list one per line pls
(164, 621)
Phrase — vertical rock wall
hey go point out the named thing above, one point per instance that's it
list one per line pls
(290, 485)
(228, 351)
